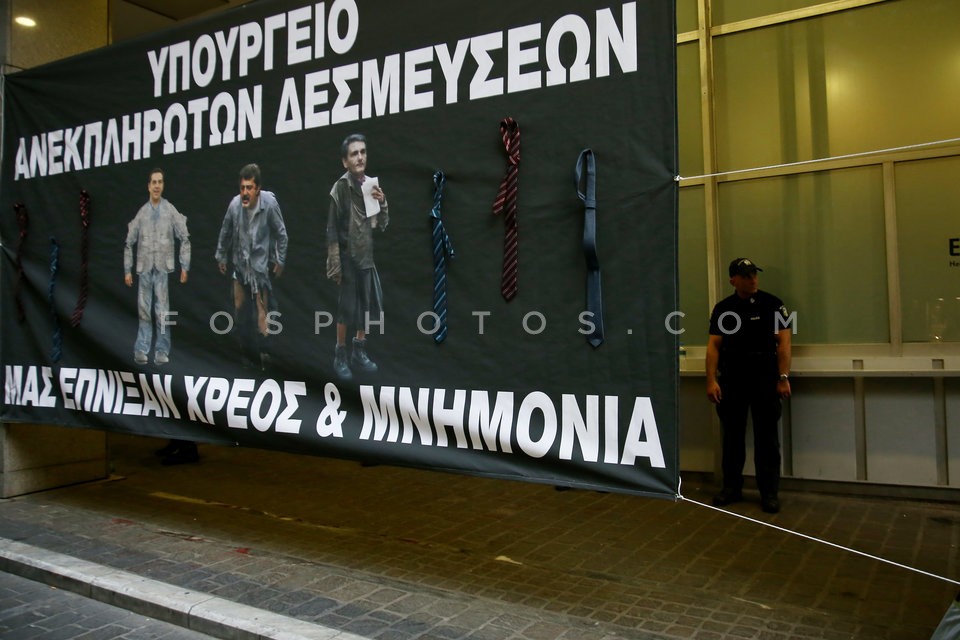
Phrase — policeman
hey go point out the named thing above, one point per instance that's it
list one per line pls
(749, 346)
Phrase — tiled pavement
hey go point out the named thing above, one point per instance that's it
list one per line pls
(398, 554)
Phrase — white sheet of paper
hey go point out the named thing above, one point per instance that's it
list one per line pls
(372, 204)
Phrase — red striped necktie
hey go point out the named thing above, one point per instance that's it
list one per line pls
(506, 203)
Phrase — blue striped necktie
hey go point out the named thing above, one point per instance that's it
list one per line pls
(56, 350)
(442, 250)
(586, 171)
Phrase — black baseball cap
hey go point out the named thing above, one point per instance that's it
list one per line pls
(743, 267)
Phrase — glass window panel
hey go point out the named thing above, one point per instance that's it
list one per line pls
(692, 258)
(820, 240)
(686, 15)
(928, 238)
(688, 109)
(725, 11)
(752, 128)
(874, 77)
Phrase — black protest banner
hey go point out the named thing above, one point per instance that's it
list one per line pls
(246, 284)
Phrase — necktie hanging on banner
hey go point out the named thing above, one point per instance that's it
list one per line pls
(23, 224)
(442, 251)
(84, 258)
(56, 347)
(506, 203)
(586, 177)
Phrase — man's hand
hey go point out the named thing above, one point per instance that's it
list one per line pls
(223, 267)
(277, 270)
(128, 279)
(713, 392)
(183, 276)
(783, 388)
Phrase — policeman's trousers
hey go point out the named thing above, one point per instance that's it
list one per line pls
(759, 398)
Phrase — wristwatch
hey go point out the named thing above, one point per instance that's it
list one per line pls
(784, 376)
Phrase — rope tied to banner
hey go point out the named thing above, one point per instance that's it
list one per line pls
(77, 315)
(23, 223)
(56, 348)
(815, 539)
(815, 161)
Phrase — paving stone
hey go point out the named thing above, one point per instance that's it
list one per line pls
(407, 554)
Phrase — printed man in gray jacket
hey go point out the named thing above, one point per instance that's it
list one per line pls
(154, 231)
(252, 249)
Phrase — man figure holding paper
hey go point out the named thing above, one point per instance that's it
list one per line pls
(357, 207)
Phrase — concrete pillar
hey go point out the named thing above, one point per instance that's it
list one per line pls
(35, 457)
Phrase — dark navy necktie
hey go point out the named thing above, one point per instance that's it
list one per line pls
(586, 175)
(442, 251)
(506, 203)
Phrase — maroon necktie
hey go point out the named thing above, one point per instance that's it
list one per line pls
(23, 223)
(77, 315)
(506, 203)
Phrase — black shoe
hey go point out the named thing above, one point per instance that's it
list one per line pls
(169, 449)
(340, 366)
(727, 496)
(359, 358)
(770, 504)
(187, 454)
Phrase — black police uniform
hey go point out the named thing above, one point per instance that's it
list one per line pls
(748, 381)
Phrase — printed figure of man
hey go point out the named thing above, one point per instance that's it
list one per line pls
(154, 232)
(749, 346)
(350, 263)
(253, 247)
